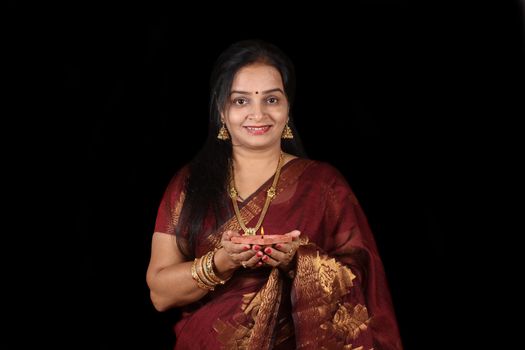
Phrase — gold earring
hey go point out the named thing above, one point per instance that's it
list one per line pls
(223, 133)
(287, 132)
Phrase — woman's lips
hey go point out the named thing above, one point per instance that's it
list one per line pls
(258, 130)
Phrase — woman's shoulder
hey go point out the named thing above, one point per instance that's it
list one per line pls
(320, 171)
(179, 178)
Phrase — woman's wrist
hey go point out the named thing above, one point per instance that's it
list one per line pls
(223, 264)
(288, 268)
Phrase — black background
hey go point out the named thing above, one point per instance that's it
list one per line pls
(393, 94)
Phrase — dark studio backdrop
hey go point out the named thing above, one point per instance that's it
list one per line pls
(379, 97)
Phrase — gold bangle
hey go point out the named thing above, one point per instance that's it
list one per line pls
(208, 269)
(211, 268)
(202, 274)
(196, 277)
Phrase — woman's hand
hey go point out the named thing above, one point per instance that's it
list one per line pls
(282, 254)
(237, 254)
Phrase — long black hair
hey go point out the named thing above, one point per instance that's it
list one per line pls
(206, 186)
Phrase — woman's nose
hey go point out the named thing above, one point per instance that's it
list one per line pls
(257, 112)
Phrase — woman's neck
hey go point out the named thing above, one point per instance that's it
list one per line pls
(253, 161)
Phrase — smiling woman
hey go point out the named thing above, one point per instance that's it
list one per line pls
(256, 120)
(323, 286)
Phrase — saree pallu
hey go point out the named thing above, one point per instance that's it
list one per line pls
(338, 297)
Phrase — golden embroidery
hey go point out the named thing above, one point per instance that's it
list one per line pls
(267, 314)
(330, 324)
(252, 206)
(246, 300)
(175, 214)
(248, 212)
(350, 321)
(255, 326)
(250, 304)
(232, 337)
(327, 270)
(332, 275)
(323, 282)
(237, 337)
(256, 329)
(330, 344)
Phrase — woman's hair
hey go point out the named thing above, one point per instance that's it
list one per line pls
(206, 186)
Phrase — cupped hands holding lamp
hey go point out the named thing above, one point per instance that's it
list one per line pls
(315, 278)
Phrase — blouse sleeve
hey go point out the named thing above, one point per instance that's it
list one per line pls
(171, 203)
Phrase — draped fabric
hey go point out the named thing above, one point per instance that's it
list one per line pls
(338, 297)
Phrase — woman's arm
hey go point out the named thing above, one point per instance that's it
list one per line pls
(169, 274)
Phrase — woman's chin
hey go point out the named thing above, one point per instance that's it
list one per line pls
(256, 142)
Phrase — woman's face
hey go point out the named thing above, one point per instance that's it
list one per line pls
(257, 108)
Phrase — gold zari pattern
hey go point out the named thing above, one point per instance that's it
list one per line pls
(260, 310)
(321, 286)
(324, 282)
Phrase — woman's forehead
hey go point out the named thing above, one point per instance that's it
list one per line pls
(257, 78)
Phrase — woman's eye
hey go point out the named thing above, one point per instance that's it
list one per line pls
(272, 100)
(240, 101)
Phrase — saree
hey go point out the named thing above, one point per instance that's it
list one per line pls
(337, 297)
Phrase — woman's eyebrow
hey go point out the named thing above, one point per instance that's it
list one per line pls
(249, 93)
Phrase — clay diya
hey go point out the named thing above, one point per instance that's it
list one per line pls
(261, 239)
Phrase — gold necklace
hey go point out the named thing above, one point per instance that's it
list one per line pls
(270, 194)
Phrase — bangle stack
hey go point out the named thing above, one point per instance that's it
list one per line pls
(203, 272)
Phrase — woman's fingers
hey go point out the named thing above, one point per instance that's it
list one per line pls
(252, 261)
(269, 261)
(295, 234)
(282, 253)
(284, 247)
(291, 246)
(240, 254)
(233, 248)
(254, 256)
(227, 235)
(238, 248)
(274, 257)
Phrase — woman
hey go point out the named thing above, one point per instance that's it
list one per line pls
(325, 288)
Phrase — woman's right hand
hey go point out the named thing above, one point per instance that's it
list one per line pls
(237, 254)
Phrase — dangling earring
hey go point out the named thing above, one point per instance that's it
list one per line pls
(287, 132)
(223, 133)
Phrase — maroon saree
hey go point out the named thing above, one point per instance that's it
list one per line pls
(338, 299)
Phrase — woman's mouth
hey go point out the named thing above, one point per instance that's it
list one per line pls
(258, 130)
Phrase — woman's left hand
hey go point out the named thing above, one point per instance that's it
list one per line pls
(281, 255)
